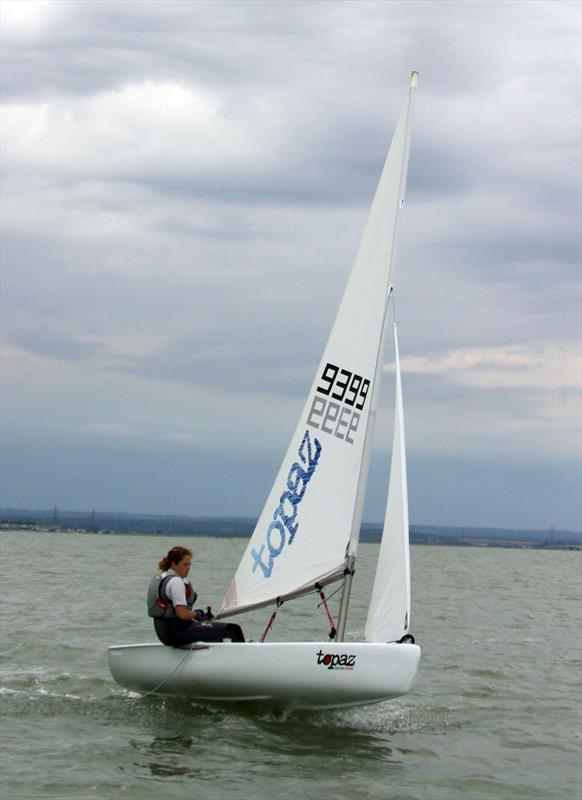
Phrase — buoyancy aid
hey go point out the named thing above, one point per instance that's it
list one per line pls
(159, 605)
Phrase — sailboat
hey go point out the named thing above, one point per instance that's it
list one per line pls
(307, 535)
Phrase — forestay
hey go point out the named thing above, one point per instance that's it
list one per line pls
(301, 537)
(389, 613)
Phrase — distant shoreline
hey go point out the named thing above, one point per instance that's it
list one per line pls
(241, 528)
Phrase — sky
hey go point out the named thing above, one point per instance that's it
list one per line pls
(184, 186)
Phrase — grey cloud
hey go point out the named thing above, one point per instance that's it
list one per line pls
(231, 265)
(45, 342)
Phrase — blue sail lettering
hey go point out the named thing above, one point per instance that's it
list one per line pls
(258, 562)
(288, 519)
(285, 516)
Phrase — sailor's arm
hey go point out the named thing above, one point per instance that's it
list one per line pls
(182, 612)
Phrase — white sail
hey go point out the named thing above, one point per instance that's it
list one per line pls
(389, 613)
(301, 537)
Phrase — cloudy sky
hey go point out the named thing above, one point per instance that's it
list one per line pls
(184, 185)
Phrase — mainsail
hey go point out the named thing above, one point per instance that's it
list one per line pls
(389, 613)
(303, 533)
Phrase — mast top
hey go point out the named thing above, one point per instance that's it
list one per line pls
(413, 79)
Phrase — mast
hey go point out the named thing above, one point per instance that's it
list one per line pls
(367, 453)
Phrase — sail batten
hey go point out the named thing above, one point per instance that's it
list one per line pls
(312, 517)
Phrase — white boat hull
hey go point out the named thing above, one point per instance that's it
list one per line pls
(285, 674)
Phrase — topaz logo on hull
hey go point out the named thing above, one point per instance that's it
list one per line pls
(336, 661)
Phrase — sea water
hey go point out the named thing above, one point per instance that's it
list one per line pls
(495, 711)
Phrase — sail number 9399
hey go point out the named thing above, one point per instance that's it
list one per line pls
(339, 398)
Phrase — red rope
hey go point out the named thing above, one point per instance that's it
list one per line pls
(333, 630)
(268, 628)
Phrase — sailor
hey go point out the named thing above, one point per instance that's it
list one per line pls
(171, 599)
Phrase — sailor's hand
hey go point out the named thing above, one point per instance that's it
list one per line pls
(200, 614)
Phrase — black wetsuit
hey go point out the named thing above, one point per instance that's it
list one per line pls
(176, 632)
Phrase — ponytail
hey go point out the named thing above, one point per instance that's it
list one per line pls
(174, 556)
